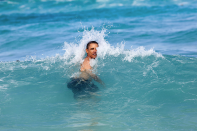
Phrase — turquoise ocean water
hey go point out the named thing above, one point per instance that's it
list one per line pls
(147, 58)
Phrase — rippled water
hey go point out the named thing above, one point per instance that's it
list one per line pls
(146, 58)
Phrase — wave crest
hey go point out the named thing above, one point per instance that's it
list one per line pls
(74, 53)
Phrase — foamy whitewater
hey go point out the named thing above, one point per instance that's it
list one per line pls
(146, 58)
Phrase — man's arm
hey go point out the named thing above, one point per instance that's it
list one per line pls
(85, 65)
(88, 69)
(95, 77)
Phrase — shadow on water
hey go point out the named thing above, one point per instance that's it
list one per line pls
(85, 114)
(82, 89)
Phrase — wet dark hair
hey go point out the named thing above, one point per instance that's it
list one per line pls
(91, 42)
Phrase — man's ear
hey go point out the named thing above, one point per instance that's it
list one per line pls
(87, 51)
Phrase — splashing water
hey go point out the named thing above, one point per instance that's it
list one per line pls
(146, 88)
(74, 53)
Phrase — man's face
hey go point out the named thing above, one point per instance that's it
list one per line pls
(92, 51)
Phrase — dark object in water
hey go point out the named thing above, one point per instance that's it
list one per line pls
(82, 88)
(17, 61)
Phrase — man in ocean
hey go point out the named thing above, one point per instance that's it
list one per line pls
(91, 50)
(86, 69)
(83, 85)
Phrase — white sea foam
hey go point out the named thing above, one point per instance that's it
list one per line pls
(75, 52)
(139, 3)
(3, 87)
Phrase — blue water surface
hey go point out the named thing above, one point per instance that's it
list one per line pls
(147, 58)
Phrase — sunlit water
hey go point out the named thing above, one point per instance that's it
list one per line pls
(146, 58)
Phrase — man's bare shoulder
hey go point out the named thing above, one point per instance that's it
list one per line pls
(86, 64)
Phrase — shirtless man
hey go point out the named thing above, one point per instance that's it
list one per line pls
(91, 50)
(83, 86)
(86, 69)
